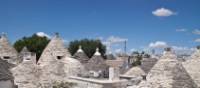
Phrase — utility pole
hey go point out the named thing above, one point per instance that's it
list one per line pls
(125, 46)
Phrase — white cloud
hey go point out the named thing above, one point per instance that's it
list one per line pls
(113, 40)
(42, 34)
(158, 44)
(163, 12)
(133, 49)
(197, 40)
(118, 51)
(181, 30)
(183, 50)
(196, 31)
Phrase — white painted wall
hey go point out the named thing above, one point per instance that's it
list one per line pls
(6, 84)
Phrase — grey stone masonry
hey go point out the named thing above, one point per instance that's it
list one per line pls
(168, 73)
(148, 63)
(192, 66)
(54, 50)
(81, 56)
(7, 52)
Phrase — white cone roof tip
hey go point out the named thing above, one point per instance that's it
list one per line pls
(3, 34)
(169, 54)
(80, 49)
(97, 53)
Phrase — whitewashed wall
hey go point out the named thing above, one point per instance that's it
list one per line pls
(6, 84)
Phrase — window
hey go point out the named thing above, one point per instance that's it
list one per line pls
(6, 57)
(144, 77)
(59, 57)
(28, 59)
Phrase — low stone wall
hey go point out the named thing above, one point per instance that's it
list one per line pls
(97, 83)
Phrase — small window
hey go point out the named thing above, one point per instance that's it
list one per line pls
(28, 59)
(59, 57)
(6, 57)
(144, 77)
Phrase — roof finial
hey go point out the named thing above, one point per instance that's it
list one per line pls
(198, 47)
(168, 49)
(80, 49)
(97, 53)
(56, 34)
(3, 34)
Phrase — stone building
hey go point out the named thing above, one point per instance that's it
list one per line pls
(55, 49)
(56, 64)
(7, 52)
(6, 78)
(97, 65)
(168, 72)
(126, 62)
(25, 73)
(110, 56)
(81, 56)
(113, 81)
(192, 66)
(135, 72)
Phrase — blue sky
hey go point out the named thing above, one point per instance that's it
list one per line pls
(141, 22)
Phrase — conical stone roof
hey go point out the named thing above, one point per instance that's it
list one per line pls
(135, 72)
(25, 75)
(56, 64)
(5, 73)
(54, 50)
(23, 53)
(24, 50)
(59, 71)
(168, 73)
(97, 63)
(192, 66)
(6, 49)
(148, 63)
(81, 56)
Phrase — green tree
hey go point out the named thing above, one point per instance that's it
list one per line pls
(139, 57)
(88, 45)
(198, 47)
(34, 43)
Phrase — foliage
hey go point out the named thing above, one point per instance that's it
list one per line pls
(88, 45)
(198, 47)
(63, 85)
(139, 57)
(34, 43)
(167, 49)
